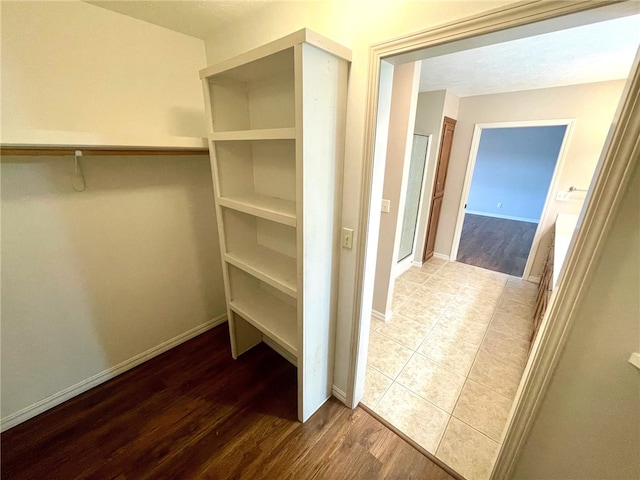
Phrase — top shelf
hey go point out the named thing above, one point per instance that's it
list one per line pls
(301, 36)
(56, 139)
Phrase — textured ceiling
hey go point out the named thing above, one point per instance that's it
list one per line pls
(591, 53)
(198, 18)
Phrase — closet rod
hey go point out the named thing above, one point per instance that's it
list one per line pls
(86, 151)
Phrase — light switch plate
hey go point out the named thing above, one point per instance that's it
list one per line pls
(347, 238)
(386, 205)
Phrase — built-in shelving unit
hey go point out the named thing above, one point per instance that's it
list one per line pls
(276, 138)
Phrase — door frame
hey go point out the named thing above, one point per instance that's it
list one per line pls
(413, 259)
(613, 172)
(551, 192)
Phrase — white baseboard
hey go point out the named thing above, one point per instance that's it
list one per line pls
(81, 387)
(442, 256)
(287, 356)
(533, 279)
(381, 316)
(339, 394)
(416, 263)
(402, 267)
(506, 217)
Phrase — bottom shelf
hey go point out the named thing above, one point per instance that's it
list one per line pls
(272, 316)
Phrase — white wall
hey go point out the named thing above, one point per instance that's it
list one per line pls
(587, 425)
(356, 27)
(402, 117)
(92, 280)
(78, 74)
(432, 108)
(592, 105)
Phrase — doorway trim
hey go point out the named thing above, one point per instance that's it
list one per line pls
(551, 192)
(622, 149)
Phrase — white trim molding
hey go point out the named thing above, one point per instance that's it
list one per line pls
(380, 316)
(339, 394)
(85, 385)
(505, 217)
(278, 348)
(442, 256)
(601, 204)
(621, 153)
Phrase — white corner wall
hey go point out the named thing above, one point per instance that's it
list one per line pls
(96, 282)
(592, 105)
(400, 139)
(75, 73)
(587, 424)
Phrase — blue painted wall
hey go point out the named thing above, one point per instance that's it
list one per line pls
(514, 167)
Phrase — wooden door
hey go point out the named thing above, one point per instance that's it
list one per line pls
(446, 139)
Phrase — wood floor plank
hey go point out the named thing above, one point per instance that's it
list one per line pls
(195, 413)
(496, 244)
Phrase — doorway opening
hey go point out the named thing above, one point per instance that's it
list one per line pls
(512, 168)
(439, 184)
(445, 361)
(413, 195)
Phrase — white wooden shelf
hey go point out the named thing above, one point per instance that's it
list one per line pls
(276, 119)
(271, 316)
(301, 36)
(94, 140)
(257, 134)
(274, 268)
(269, 208)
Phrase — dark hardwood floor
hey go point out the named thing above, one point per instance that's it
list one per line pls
(496, 243)
(195, 413)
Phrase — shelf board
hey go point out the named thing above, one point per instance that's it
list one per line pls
(288, 133)
(269, 208)
(271, 316)
(301, 36)
(70, 140)
(274, 268)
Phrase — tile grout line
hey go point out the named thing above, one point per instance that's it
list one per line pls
(477, 430)
(473, 364)
(382, 396)
(468, 379)
(439, 318)
(477, 351)
(444, 431)
(443, 311)
(415, 351)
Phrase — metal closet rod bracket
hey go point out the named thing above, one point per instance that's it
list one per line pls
(78, 180)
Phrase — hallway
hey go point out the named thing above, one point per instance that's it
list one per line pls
(445, 368)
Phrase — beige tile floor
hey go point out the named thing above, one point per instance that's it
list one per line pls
(445, 368)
